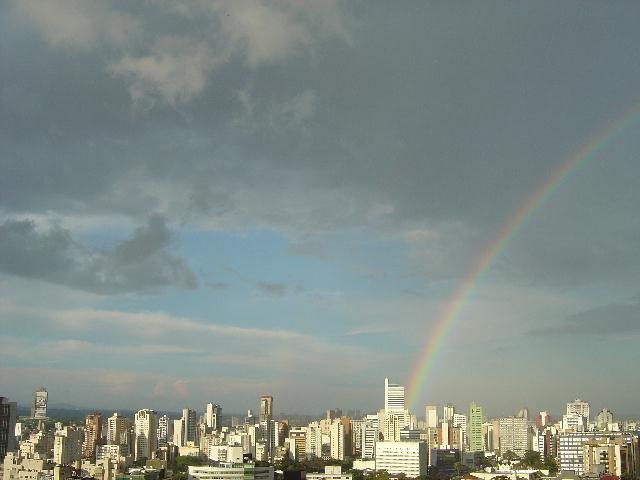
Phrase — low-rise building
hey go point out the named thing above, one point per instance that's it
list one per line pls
(410, 458)
(333, 472)
(231, 471)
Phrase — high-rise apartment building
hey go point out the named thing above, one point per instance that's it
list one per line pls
(118, 432)
(165, 430)
(447, 413)
(212, 416)
(542, 419)
(178, 432)
(298, 442)
(369, 436)
(7, 426)
(190, 426)
(39, 403)
(393, 423)
(266, 408)
(514, 435)
(574, 422)
(393, 397)
(146, 436)
(356, 438)
(475, 428)
(67, 445)
(578, 406)
(340, 438)
(572, 447)
(431, 416)
(604, 419)
(92, 434)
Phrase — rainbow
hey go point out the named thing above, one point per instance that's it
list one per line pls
(451, 309)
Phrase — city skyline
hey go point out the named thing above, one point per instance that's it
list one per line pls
(213, 200)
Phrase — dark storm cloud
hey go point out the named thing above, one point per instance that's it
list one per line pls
(604, 321)
(138, 264)
(295, 117)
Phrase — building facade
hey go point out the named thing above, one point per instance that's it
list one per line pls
(410, 458)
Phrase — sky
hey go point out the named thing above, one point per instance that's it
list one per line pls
(205, 201)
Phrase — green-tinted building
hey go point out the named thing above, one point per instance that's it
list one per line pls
(475, 428)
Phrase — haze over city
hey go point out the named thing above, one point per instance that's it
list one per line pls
(217, 200)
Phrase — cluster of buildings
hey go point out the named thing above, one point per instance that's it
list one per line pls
(392, 439)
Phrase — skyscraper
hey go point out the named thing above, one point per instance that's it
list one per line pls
(146, 442)
(431, 416)
(39, 403)
(447, 413)
(212, 416)
(475, 428)
(578, 406)
(67, 445)
(266, 408)
(7, 426)
(189, 424)
(92, 434)
(118, 432)
(604, 419)
(393, 397)
(513, 435)
(165, 430)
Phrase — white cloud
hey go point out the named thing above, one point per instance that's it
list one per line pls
(175, 71)
(162, 324)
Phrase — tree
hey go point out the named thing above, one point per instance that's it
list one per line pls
(510, 456)
(531, 459)
(551, 464)
(183, 462)
(487, 462)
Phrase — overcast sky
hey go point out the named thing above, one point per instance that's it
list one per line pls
(207, 201)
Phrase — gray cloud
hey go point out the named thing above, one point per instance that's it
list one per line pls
(293, 116)
(268, 288)
(217, 285)
(604, 321)
(141, 263)
(275, 289)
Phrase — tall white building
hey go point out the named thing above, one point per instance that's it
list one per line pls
(178, 432)
(39, 403)
(165, 430)
(393, 397)
(146, 437)
(578, 406)
(394, 422)
(410, 458)
(337, 439)
(574, 422)
(604, 419)
(117, 430)
(459, 421)
(431, 416)
(447, 413)
(369, 436)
